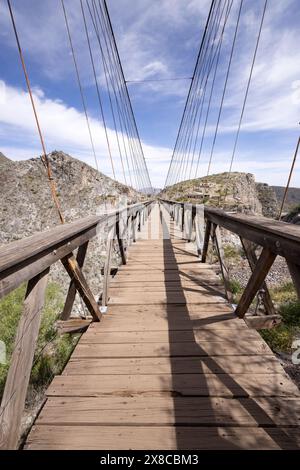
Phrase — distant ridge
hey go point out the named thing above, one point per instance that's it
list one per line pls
(292, 199)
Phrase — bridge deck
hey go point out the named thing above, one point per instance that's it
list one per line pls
(169, 367)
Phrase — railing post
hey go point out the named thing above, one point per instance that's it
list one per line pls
(120, 243)
(107, 264)
(295, 275)
(13, 400)
(182, 218)
(224, 270)
(199, 234)
(206, 240)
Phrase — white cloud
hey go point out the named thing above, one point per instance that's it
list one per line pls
(64, 128)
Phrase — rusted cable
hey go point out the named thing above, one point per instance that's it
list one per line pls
(45, 158)
(289, 180)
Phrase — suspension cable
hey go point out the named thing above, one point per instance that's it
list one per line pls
(45, 158)
(97, 88)
(79, 83)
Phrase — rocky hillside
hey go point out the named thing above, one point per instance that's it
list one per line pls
(292, 198)
(27, 207)
(235, 192)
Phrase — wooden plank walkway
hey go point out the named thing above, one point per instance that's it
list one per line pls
(169, 367)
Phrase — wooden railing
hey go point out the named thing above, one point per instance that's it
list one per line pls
(29, 260)
(275, 238)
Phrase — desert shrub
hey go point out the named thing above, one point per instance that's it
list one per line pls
(52, 351)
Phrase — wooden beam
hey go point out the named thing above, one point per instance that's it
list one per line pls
(224, 270)
(106, 277)
(262, 322)
(249, 249)
(81, 254)
(120, 243)
(13, 400)
(82, 286)
(73, 325)
(199, 234)
(256, 280)
(206, 241)
(295, 275)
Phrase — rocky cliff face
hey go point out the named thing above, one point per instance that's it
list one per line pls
(232, 192)
(26, 203)
(27, 207)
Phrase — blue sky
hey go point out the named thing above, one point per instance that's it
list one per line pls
(156, 39)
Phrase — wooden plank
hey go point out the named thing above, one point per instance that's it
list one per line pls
(189, 311)
(13, 399)
(160, 323)
(157, 437)
(82, 286)
(220, 385)
(95, 336)
(207, 348)
(164, 410)
(74, 325)
(261, 322)
(177, 365)
(258, 276)
(80, 257)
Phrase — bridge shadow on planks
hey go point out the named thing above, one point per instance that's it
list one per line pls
(192, 392)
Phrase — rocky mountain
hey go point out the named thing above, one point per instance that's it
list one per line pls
(292, 199)
(27, 206)
(26, 203)
(233, 192)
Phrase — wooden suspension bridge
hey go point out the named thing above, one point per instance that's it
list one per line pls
(165, 360)
(171, 365)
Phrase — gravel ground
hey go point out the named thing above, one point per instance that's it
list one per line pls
(278, 275)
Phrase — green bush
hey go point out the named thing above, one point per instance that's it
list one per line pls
(52, 351)
(235, 287)
(231, 252)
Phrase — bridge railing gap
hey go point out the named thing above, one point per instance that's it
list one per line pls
(29, 260)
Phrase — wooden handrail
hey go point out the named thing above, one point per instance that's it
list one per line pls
(23, 259)
(280, 237)
(275, 237)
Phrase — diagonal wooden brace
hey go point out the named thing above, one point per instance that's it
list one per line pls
(216, 237)
(75, 273)
(256, 280)
(72, 288)
(249, 249)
